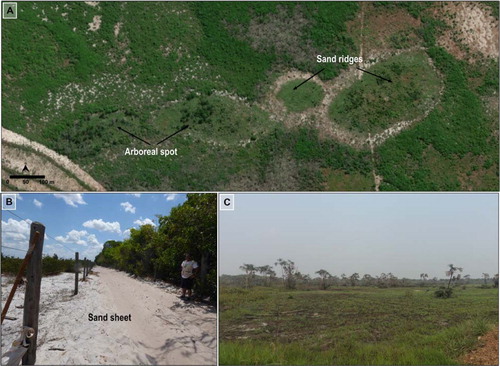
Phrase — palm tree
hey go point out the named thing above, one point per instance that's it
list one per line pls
(288, 270)
(486, 277)
(249, 270)
(354, 278)
(324, 274)
(451, 271)
(367, 279)
(268, 272)
(393, 280)
(343, 279)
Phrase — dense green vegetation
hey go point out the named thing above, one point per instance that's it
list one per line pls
(352, 326)
(153, 67)
(435, 150)
(372, 104)
(158, 252)
(309, 95)
(51, 265)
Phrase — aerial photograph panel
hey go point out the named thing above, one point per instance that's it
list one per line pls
(250, 96)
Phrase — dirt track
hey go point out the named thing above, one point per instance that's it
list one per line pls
(162, 330)
(487, 352)
(170, 331)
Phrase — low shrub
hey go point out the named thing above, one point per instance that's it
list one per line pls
(443, 292)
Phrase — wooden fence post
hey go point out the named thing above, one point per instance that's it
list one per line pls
(76, 273)
(84, 268)
(32, 295)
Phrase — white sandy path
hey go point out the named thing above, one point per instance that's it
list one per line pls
(163, 331)
(171, 331)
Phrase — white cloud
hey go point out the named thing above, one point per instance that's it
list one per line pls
(127, 206)
(74, 237)
(37, 203)
(15, 236)
(126, 234)
(72, 199)
(16, 230)
(146, 221)
(91, 252)
(135, 195)
(170, 197)
(99, 224)
(92, 240)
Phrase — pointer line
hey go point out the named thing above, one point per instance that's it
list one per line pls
(131, 134)
(368, 72)
(175, 133)
(305, 81)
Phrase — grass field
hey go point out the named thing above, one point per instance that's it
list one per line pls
(352, 326)
(307, 96)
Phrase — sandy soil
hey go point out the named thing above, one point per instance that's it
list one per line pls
(96, 23)
(16, 158)
(486, 353)
(163, 329)
(471, 26)
(378, 24)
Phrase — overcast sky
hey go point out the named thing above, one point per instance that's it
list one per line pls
(405, 234)
(81, 222)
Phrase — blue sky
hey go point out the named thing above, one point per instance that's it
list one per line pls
(406, 234)
(82, 222)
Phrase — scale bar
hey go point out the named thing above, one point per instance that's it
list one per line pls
(27, 176)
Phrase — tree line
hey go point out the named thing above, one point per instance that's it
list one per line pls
(158, 251)
(290, 277)
(51, 265)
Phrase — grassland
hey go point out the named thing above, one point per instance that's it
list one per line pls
(352, 326)
(155, 66)
(373, 105)
(309, 95)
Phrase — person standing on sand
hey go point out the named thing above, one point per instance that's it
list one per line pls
(189, 268)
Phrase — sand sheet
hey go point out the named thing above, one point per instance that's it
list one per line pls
(164, 330)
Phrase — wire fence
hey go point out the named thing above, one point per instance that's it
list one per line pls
(32, 267)
(49, 236)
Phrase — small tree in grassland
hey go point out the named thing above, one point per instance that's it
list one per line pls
(288, 270)
(367, 280)
(268, 272)
(354, 278)
(424, 276)
(451, 273)
(302, 278)
(445, 292)
(486, 277)
(324, 275)
(249, 270)
(343, 279)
